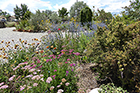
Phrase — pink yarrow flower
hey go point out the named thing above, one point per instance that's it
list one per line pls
(49, 79)
(11, 78)
(35, 84)
(76, 53)
(4, 87)
(60, 91)
(1, 83)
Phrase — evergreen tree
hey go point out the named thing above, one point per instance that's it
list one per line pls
(76, 8)
(20, 11)
(63, 12)
(86, 15)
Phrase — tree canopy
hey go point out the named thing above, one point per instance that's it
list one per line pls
(20, 11)
(133, 10)
(76, 8)
(63, 12)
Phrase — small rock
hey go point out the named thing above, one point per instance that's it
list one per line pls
(94, 90)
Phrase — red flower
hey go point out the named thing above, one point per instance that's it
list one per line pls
(58, 28)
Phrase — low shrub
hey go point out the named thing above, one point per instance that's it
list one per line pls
(110, 88)
(116, 53)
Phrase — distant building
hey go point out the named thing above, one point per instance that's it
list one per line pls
(12, 18)
(2, 17)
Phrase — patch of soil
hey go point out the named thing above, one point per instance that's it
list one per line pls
(86, 74)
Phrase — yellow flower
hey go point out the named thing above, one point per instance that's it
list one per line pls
(51, 46)
(15, 61)
(22, 41)
(42, 20)
(2, 41)
(44, 59)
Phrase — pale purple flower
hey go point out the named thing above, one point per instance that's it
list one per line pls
(76, 53)
(32, 70)
(29, 87)
(41, 75)
(49, 79)
(16, 68)
(52, 87)
(1, 83)
(66, 62)
(38, 70)
(60, 91)
(35, 84)
(36, 77)
(22, 63)
(34, 58)
(11, 78)
(26, 67)
(29, 76)
(67, 72)
(22, 87)
(58, 57)
(59, 86)
(67, 84)
(42, 79)
(4, 87)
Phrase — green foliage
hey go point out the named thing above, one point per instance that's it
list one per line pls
(116, 52)
(19, 12)
(110, 88)
(76, 8)
(37, 20)
(55, 18)
(102, 16)
(10, 24)
(133, 10)
(22, 24)
(85, 15)
(63, 12)
(27, 15)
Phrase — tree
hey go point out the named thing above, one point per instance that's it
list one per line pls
(27, 15)
(103, 16)
(63, 12)
(20, 11)
(86, 15)
(76, 8)
(133, 10)
(55, 18)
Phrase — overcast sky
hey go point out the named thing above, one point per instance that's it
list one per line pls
(113, 6)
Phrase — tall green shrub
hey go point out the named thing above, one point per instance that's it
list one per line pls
(86, 15)
(116, 53)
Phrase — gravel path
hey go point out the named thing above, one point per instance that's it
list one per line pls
(7, 34)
